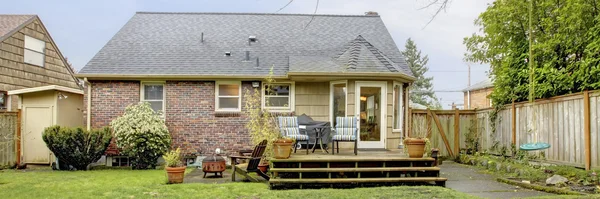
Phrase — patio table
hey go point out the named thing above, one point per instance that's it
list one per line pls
(310, 126)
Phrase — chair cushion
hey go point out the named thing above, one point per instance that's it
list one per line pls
(298, 137)
(344, 137)
(345, 122)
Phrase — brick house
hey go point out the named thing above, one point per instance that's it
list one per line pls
(29, 58)
(195, 67)
(478, 95)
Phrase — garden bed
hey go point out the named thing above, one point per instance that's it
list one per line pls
(533, 175)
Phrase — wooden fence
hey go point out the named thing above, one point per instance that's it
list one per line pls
(9, 127)
(570, 124)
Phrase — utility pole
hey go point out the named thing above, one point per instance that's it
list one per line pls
(468, 104)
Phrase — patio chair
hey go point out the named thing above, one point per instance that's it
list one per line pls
(252, 165)
(345, 131)
(289, 128)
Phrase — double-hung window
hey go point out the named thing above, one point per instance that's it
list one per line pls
(279, 96)
(34, 51)
(228, 96)
(397, 107)
(154, 93)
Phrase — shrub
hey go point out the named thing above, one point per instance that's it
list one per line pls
(75, 147)
(142, 135)
(173, 158)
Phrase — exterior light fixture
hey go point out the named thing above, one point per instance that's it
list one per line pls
(255, 84)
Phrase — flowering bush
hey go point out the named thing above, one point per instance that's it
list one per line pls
(142, 135)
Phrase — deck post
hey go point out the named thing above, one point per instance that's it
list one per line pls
(434, 155)
(586, 130)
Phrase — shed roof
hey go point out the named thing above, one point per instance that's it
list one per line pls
(154, 43)
(45, 88)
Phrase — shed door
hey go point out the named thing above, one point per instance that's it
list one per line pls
(35, 120)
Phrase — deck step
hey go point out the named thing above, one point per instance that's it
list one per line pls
(368, 169)
(352, 159)
(356, 180)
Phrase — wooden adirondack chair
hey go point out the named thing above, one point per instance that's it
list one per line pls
(252, 165)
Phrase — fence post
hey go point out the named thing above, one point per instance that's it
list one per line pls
(428, 118)
(18, 140)
(456, 131)
(514, 123)
(586, 130)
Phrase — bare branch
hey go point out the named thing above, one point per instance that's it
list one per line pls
(286, 5)
(313, 16)
(442, 6)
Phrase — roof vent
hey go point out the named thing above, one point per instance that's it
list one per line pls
(227, 53)
(252, 38)
(247, 58)
(202, 37)
(371, 13)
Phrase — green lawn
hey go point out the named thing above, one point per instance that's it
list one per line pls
(151, 184)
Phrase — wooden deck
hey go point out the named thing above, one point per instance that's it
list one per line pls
(368, 168)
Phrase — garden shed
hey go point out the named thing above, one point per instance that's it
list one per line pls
(42, 107)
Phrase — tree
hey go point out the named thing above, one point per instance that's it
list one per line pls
(565, 47)
(422, 88)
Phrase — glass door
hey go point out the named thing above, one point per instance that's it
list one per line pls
(371, 111)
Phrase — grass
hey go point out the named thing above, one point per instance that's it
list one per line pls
(151, 184)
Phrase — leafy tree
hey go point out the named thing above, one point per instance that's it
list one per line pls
(141, 134)
(565, 47)
(422, 88)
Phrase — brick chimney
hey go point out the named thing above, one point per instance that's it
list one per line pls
(371, 13)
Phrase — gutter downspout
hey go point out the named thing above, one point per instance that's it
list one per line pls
(469, 99)
(89, 103)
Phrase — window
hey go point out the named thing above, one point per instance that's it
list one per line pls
(398, 106)
(120, 161)
(280, 96)
(34, 51)
(3, 100)
(155, 95)
(338, 102)
(228, 96)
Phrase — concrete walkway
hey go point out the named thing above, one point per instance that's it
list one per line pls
(470, 180)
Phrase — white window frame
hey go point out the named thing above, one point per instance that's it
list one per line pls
(164, 100)
(292, 97)
(217, 96)
(331, 116)
(43, 52)
(401, 111)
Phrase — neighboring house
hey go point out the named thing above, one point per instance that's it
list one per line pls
(36, 78)
(478, 95)
(195, 67)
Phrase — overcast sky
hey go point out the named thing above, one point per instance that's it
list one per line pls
(81, 28)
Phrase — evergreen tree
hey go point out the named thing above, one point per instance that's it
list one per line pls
(422, 88)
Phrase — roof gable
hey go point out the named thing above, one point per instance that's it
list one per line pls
(195, 43)
(12, 23)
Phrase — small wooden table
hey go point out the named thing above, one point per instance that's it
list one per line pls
(318, 139)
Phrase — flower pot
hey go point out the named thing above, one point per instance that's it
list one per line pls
(282, 148)
(416, 147)
(263, 167)
(175, 174)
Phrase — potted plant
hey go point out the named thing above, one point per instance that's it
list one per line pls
(417, 145)
(282, 148)
(174, 166)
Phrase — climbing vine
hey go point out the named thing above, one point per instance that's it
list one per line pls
(494, 119)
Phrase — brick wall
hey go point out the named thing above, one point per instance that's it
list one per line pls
(109, 100)
(190, 114)
(193, 124)
(479, 98)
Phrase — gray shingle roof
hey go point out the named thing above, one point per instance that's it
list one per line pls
(10, 23)
(170, 44)
(480, 85)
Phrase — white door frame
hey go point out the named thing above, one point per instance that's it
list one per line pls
(383, 108)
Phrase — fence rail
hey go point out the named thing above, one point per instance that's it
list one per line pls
(570, 124)
(9, 125)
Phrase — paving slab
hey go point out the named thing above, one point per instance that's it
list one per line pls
(470, 180)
